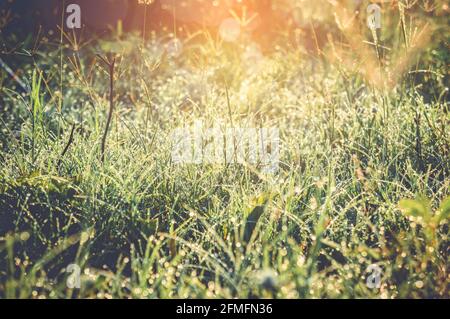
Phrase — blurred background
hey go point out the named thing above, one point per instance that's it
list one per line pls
(87, 115)
(313, 27)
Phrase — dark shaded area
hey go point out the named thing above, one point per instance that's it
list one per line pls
(44, 18)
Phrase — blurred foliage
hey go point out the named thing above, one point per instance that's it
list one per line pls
(364, 170)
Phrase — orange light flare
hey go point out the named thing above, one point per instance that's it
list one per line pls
(234, 20)
(313, 23)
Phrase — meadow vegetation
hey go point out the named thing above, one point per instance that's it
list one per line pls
(363, 176)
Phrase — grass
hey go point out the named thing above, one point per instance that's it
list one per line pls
(363, 177)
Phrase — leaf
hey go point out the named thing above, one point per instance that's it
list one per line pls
(444, 210)
(415, 208)
(251, 222)
(173, 248)
(259, 206)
